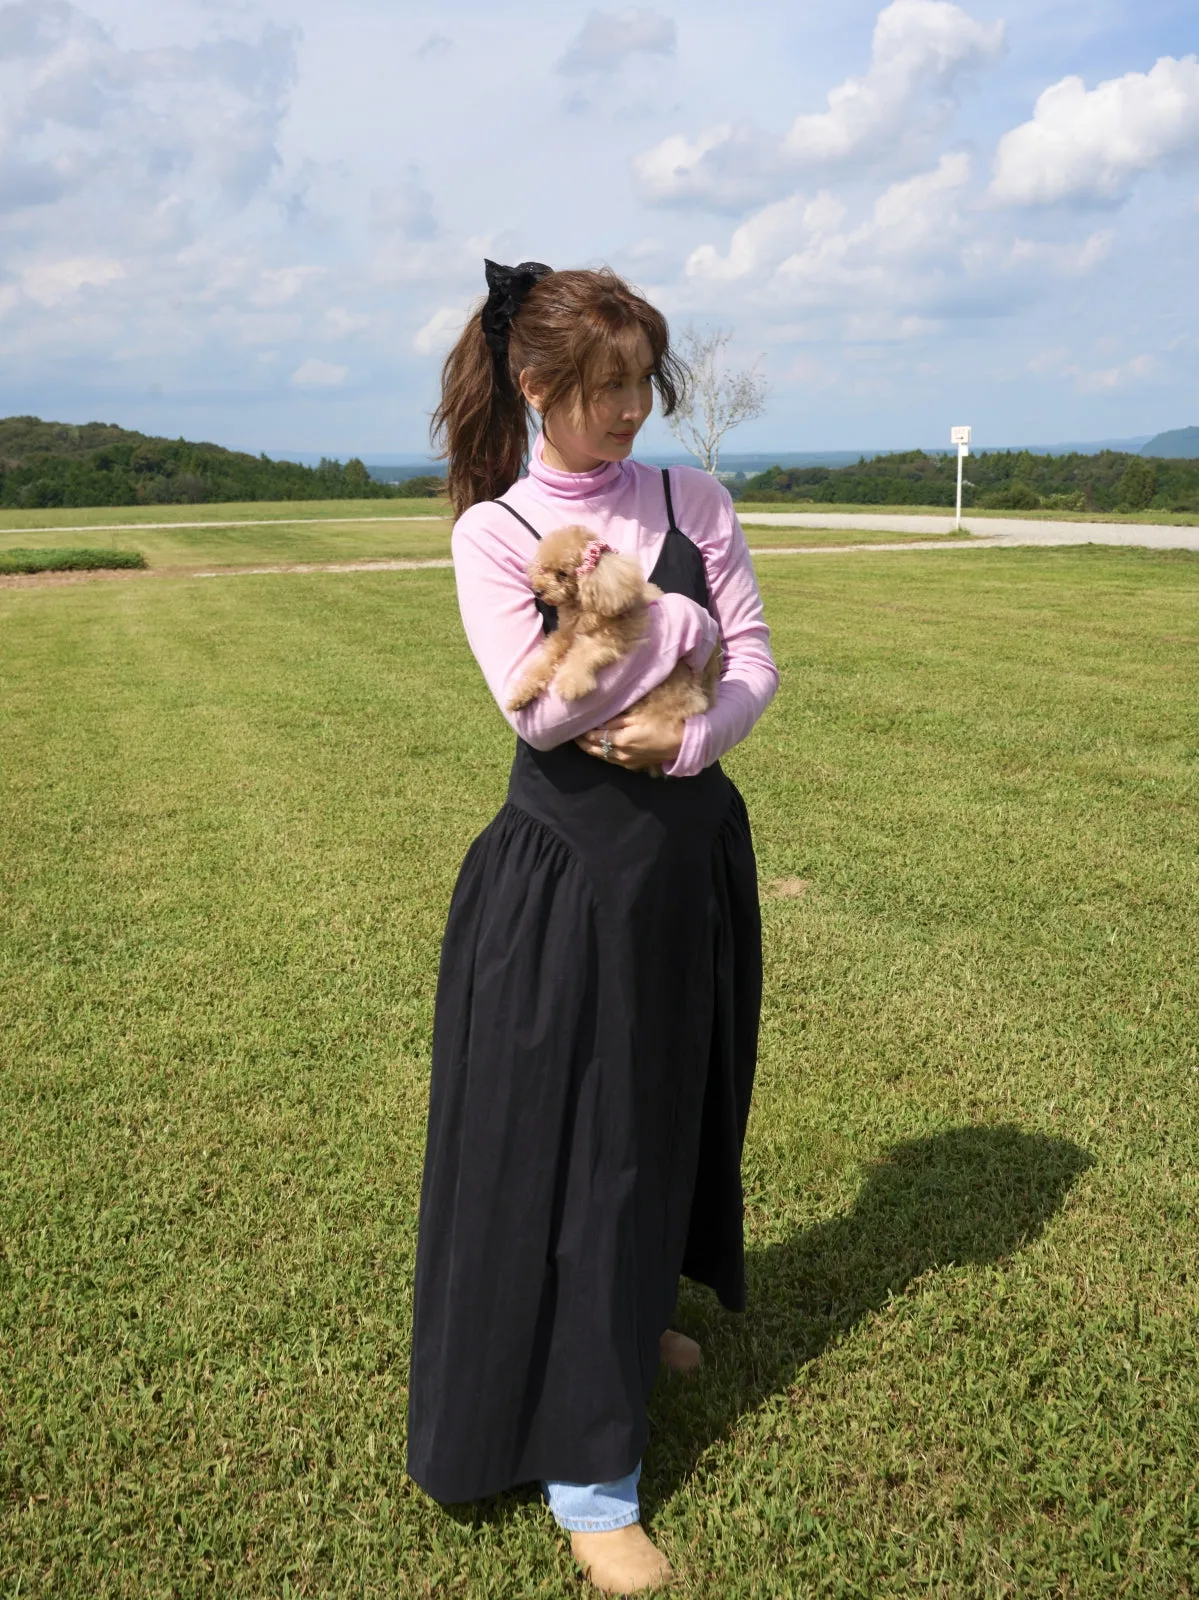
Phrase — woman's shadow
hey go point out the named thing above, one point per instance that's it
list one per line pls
(969, 1195)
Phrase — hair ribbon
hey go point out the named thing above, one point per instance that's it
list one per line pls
(591, 557)
(506, 291)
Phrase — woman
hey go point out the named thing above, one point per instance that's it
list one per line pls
(597, 1009)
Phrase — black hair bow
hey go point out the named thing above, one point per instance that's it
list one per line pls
(507, 288)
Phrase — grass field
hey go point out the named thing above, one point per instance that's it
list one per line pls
(235, 511)
(1168, 519)
(335, 533)
(232, 815)
(764, 536)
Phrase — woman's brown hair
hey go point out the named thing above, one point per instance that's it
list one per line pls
(572, 331)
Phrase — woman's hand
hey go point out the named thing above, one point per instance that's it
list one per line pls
(634, 741)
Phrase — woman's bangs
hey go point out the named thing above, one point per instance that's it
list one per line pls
(613, 352)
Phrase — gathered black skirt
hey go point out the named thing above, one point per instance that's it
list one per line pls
(594, 1045)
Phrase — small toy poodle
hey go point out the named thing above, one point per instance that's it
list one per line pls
(603, 613)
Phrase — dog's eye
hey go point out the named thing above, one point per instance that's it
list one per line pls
(561, 576)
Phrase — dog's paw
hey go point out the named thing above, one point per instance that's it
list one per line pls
(522, 696)
(573, 682)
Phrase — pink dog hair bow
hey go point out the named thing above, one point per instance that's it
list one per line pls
(591, 557)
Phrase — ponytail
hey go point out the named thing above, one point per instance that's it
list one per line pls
(568, 331)
(481, 422)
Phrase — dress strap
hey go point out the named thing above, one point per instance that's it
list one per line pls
(513, 512)
(671, 525)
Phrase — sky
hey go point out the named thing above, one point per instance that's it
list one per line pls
(262, 222)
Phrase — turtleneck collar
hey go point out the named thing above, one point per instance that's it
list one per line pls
(599, 481)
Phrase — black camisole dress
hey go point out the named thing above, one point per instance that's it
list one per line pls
(594, 1042)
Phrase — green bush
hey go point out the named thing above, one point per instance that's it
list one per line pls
(1138, 485)
(426, 487)
(67, 560)
(1017, 496)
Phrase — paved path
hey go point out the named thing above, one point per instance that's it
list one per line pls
(987, 531)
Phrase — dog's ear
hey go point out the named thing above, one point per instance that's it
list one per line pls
(612, 586)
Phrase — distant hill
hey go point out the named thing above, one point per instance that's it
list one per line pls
(1013, 480)
(1178, 444)
(101, 464)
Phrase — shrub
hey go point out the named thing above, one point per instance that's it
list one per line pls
(68, 560)
(1014, 497)
(426, 487)
(1138, 485)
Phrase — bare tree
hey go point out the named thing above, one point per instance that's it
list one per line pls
(716, 399)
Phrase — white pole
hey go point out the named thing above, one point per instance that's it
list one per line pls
(960, 437)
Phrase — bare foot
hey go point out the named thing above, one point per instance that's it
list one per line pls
(624, 1561)
(678, 1353)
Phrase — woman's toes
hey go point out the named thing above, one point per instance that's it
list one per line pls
(678, 1353)
(624, 1561)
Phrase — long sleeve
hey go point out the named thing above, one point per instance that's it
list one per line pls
(504, 629)
(750, 677)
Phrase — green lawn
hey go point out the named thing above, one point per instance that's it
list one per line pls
(1169, 519)
(232, 814)
(251, 544)
(764, 536)
(260, 537)
(239, 511)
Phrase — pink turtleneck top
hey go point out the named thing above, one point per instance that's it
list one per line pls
(623, 503)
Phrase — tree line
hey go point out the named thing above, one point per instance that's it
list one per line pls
(1009, 480)
(99, 464)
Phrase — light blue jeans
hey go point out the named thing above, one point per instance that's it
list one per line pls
(595, 1507)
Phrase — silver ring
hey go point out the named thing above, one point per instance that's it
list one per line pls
(606, 746)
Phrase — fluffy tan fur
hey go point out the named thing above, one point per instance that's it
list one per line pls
(602, 615)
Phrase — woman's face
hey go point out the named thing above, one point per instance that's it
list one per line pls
(579, 440)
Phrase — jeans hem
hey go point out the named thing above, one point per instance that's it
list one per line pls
(598, 1524)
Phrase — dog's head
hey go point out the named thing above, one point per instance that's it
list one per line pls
(575, 570)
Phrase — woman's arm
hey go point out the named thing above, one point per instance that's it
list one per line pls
(750, 676)
(504, 629)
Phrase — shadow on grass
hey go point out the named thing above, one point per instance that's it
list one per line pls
(969, 1195)
(966, 1195)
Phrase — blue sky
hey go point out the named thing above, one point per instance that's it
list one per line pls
(261, 221)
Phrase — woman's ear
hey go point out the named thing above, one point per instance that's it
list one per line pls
(613, 586)
(532, 395)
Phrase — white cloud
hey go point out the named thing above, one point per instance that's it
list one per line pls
(767, 237)
(1091, 144)
(804, 252)
(51, 283)
(442, 328)
(723, 166)
(342, 324)
(920, 49)
(406, 209)
(1093, 380)
(1068, 260)
(314, 374)
(922, 254)
(278, 285)
(609, 38)
(135, 141)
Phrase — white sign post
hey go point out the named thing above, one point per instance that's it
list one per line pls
(960, 437)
